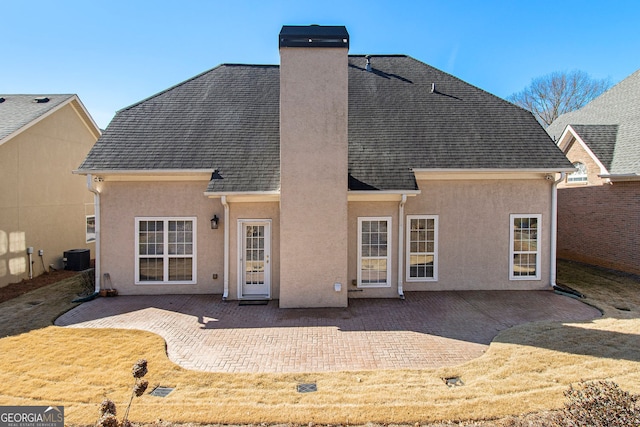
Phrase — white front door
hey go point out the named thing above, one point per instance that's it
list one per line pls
(254, 237)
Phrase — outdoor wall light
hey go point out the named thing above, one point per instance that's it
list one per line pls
(214, 222)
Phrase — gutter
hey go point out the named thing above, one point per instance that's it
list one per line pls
(554, 230)
(96, 201)
(401, 245)
(225, 293)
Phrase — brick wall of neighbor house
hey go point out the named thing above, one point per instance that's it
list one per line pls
(609, 225)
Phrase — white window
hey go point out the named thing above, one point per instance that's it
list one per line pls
(580, 175)
(374, 252)
(165, 251)
(90, 228)
(525, 247)
(422, 248)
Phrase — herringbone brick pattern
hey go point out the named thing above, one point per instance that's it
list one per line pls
(427, 329)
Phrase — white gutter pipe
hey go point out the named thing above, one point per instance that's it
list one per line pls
(225, 294)
(96, 201)
(554, 229)
(401, 245)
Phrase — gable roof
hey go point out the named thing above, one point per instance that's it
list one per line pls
(611, 125)
(19, 112)
(601, 140)
(227, 120)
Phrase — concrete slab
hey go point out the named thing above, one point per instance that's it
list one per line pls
(426, 330)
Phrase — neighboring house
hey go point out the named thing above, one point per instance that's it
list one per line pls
(331, 176)
(599, 204)
(42, 204)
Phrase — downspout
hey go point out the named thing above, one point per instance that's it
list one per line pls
(554, 229)
(96, 202)
(225, 293)
(401, 245)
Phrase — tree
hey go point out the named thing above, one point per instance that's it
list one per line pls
(554, 94)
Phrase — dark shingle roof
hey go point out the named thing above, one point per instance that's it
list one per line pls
(227, 119)
(17, 111)
(601, 140)
(617, 106)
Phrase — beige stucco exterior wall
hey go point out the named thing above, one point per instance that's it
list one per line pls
(122, 202)
(474, 225)
(42, 204)
(372, 209)
(575, 152)
(314, 171)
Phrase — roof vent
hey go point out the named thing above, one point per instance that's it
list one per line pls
(1, 100)
(433, 88)
(41, 100)
(368, 66)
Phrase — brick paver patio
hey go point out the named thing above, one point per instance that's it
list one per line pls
(427, 329)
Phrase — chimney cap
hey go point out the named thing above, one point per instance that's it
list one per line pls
(314, 36)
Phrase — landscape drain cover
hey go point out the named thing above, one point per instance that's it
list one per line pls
(307, 388)
(161, 391)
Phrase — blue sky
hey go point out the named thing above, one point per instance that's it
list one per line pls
(114, 53)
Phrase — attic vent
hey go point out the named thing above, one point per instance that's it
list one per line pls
(1, 100)
(41, 100)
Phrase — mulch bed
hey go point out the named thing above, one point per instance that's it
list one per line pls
(14, 290)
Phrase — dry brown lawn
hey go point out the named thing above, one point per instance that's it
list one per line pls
(525, 370)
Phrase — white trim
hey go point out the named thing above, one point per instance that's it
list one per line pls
(538, 251)
(435, 219)
(246, 197)
(484, 174)
(380, 196)
(388, 257)
(150, 175)
(165, 255)
(621, 177)
(585, 147)
(401, 245)
(96, 200)
(267, 250)
(225, 291)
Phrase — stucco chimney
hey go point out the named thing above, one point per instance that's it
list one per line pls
(313, 165)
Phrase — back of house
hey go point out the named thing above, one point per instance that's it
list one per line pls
(331, 176)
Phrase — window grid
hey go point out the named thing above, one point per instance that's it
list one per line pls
(422, 243)
(165, 250)
(254, 253)
(580, 175)
(525, 247)
(373, 252)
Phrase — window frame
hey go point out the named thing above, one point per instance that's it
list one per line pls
(388, 258)
(578, 178)
(90, 236)
(165, 256)
(408, 277)
(513, 252)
